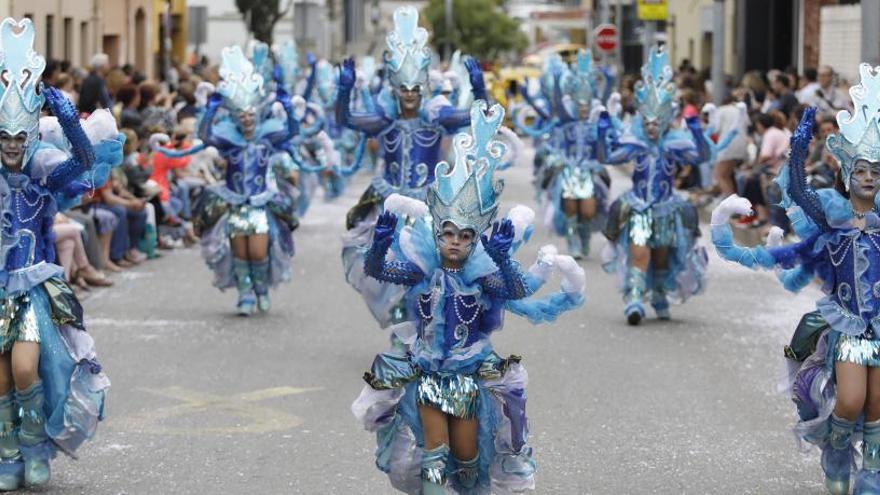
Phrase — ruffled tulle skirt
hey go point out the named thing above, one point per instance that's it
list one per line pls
(577, 184)
(673, 224)
(73, 382)
(217, 219)
(388, 406)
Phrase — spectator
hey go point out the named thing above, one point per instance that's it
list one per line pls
(129, 117)
(774, 146)
(93, 92)
(809, 84)
(65, 83)
(731, 117)
(827, 98)
(72, 256)
(785, 98)
(155, 108)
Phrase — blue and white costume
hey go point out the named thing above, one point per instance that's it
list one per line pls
(651, 214)
(249, 202)
(448, 362)
(570, 154)
(410, 149)
(62, 408)
(845, 257)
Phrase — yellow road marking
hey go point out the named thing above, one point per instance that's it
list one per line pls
(245, 406)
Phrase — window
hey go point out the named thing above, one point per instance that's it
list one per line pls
(50, 36)
(68, 38)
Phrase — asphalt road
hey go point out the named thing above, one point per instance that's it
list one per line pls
(205, 402)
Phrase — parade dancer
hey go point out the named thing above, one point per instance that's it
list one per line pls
(653, 231)
(51, 386)
(835, 352)
(247, 223)
(410, 133)
(449, 413)
(579, 188)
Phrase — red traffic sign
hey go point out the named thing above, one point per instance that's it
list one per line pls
(605, 36)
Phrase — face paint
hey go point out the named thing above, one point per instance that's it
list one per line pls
(455, 244)
(410, 99)
(12, 149)
(652, 129)
(864, 179)
(247, 120)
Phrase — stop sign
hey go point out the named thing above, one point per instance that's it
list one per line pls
(605, 36)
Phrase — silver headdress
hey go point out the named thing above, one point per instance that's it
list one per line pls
(579, 81)
(20, 71)
(288, 57)
(859, 136)
(467, 194)
(407, 58)
(241, 87)
(655, 93)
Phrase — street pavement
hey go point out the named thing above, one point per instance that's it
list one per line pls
(206, 402)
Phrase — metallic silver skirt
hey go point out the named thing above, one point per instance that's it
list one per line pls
(858, 350)
(451, 393)
(246, 220)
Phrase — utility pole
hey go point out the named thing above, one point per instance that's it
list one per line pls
(450, 27)
(871, 32)
(618, 20)
(649, 27)
(718, 52)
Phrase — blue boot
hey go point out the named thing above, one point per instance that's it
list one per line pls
(634, 290)
(32, 437)
(467, 473)
(837, 456)
(434, 470)
(658, 295)
(247, 300)
(11, 463)
(868, 479)
(585, 232)
(260, 276)
(575, 248)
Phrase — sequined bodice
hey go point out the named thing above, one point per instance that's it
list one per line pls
(411, 149)
(576, 140)
(653, 176)
(30, 226)
(855, 259)
(454, 326)
(247, 168)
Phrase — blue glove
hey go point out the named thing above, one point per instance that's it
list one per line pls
(604, 122)
(386, 224)
(278, 74)
(311, 60)
(693, 123)
(215, 100)
(475, 74)
(59, 104)
(347, 75)
(282, 96)
(497, 246)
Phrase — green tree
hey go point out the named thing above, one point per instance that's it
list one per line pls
(481, 28)
(261, 16)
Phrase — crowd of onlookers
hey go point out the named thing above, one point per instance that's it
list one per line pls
(764, 109)
(146, 205)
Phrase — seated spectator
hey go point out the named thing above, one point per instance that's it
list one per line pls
(71, 253)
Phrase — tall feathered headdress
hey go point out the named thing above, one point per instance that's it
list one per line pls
(241, 87)
(859, 136)
(655, 93)
(407, 58)
(579, 81)
(20, 71)
(467, 195)
(288, 57)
